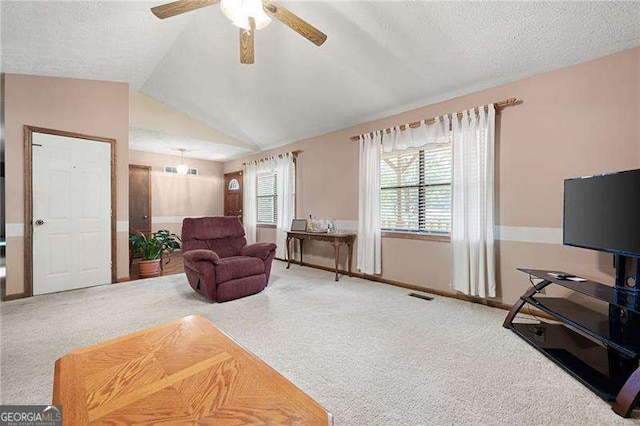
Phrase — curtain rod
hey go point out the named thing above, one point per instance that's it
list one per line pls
(294, 153)
(431, 120)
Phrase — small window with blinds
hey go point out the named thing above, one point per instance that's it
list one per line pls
(267, 197)
(415, 190)
(267, 194)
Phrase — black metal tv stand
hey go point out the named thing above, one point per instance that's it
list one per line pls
(601, 351)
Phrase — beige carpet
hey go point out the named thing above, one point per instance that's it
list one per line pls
(366, 351)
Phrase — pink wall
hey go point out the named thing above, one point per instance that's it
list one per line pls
(82, 106)
(574, 121)
(174, 196)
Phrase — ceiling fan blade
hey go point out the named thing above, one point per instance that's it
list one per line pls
(181, 6)
(247, 51)
(302, 27)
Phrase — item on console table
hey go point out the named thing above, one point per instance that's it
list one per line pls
(299, 225)
(317, 226)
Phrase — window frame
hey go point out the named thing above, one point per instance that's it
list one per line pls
(421, 233)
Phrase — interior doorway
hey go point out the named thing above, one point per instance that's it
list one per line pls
(139, 199)
(69, 211)
(233, 194)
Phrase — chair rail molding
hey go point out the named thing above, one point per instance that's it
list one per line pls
(529, 234)
(14, 229)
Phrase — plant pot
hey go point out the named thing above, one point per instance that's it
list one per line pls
(149, 268)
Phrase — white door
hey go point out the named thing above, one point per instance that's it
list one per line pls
(71, 213)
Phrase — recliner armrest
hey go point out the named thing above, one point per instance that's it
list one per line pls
(200, 255)
(259, 250)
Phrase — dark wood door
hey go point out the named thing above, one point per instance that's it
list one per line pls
(139, 198)
(233, 194)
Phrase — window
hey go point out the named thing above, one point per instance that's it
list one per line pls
(174, 170)
(234, 185)
(267, 198)
(415, 190)
(267, 195)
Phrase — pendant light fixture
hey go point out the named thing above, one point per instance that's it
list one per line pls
(182, 169)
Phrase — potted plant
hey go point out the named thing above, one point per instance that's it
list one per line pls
(151, 249)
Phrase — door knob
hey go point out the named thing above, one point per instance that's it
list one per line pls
(39, 222)
(145, 217)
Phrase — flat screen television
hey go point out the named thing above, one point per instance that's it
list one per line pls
(603, 212)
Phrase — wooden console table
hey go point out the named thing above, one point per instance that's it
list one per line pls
(183, 372)
(337, 239)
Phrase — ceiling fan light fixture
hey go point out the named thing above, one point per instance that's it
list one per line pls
(239, 12)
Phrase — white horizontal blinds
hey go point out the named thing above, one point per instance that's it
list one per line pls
(438, 165)
(399, 190)
(415, 190)
(266, 198)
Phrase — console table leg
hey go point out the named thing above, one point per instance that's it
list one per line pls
(288, 253)
(301, 241)
(629, 396)
(336, 246)
(289, 240)
(350, 244)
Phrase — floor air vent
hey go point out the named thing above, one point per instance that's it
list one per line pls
(421, 296)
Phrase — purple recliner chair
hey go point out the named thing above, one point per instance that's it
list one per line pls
(218, 262)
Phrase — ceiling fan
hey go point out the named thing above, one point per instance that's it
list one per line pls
(249, 15)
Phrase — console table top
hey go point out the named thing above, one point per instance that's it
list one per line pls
(346, 234)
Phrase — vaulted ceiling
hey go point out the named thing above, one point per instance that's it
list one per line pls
(380, 57)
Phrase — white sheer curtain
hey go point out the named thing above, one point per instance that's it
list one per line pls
(369, 234)
(285, 208)
(250, 207)
(282, 165)
(473, 203)
(371, 147)
(417, 137)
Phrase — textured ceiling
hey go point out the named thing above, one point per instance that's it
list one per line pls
(380, 57)
(114, 41)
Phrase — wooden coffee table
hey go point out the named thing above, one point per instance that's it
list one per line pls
(183, 372)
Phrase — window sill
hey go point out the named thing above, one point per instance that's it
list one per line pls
(416, 236)
(266, 225)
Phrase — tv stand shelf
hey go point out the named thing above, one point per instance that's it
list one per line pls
(621, 297)
(590, 322)
(601, 351)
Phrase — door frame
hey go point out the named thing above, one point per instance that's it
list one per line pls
(149, 199)
(28, 201)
